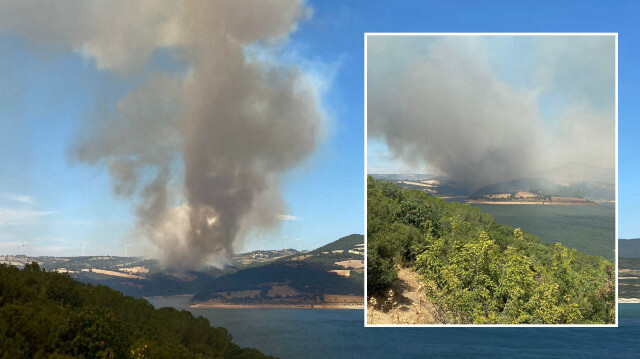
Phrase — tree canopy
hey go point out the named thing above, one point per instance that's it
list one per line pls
(48, 314)
(478, 271)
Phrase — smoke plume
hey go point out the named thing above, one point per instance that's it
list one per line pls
(200, 152)
(447, 108)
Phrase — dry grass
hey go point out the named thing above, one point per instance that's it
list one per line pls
(134, 270)
(116, 274)
(343, 272)
(351, 263)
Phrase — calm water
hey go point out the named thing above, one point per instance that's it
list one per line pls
(307, 333)
(589, 229)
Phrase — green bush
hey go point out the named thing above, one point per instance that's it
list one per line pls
(479, 271)
(46, 314)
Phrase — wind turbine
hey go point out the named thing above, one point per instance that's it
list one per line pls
(262, 242)
(285, 241)
(126, 248)
(23, 243)
(84, 244)
(299, 244)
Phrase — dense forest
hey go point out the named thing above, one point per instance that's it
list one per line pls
(478, 271)
(47, 314)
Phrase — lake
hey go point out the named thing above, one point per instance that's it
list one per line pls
(314, 333)
(589, 229)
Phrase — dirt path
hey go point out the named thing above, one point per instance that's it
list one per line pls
(408, 305)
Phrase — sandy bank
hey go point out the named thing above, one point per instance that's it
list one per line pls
(628, 300)
(281, 306)
(473, 201)
(169, 296)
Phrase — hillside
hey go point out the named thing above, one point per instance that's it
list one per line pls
(133, 276)
(293, 283)
(333, 273)
(628, 278)
(440, 186)
(47, 314)
(475, 270)
(545, 189)
(330, 275)
(629, 269)
(350, 242)
(140, 277)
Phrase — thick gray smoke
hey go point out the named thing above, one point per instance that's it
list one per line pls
(446, 107)
(202, 152)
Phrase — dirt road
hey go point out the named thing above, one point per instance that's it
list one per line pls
(408, 305)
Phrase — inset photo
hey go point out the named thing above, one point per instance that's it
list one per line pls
(491, 164)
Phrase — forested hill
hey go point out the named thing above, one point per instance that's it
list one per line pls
(302, 278)
(347, 243)
(47, 314)
(306, 279)
(478, 271)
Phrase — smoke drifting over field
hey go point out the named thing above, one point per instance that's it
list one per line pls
(201, 152)
(442, 102)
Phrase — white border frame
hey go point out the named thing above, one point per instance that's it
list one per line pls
(366, 35)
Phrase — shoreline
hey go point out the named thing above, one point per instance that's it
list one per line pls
(168, 296)
(222, 305)
(533, 203)
(277, 306)
(628, 300)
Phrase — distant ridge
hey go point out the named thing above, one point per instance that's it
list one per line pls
(544, 184)
(332, 275)
(596, 191)
(329, 275)
(344, 243)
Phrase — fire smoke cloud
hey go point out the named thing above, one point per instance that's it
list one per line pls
(440, 102)
(202, 152)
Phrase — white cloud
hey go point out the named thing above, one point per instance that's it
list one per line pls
(286, 217)
(18, 198)
(14, 217)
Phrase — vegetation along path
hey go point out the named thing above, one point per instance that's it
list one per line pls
(407, 303)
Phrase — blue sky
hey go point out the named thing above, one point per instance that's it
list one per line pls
(47, 95)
